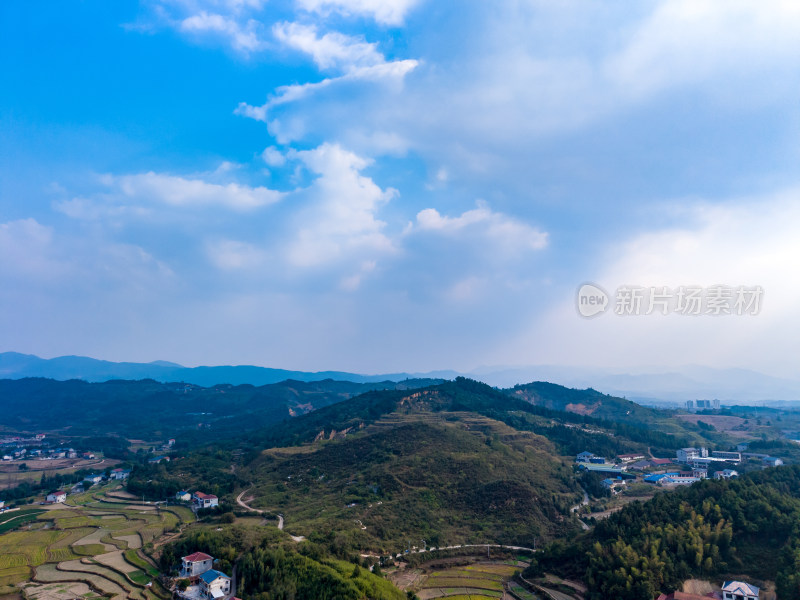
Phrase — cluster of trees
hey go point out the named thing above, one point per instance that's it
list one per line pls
(267, 570)
(747, 525)
(279, 574)
(208, 470)
(31, 487)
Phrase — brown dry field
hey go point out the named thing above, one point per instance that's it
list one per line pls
(720, 422)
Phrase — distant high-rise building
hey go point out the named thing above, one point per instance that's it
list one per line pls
(702, 404)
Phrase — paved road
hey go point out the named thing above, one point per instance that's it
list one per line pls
(583, 502)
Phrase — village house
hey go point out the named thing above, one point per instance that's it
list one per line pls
(87, 456)
(215, 585)
(119, 474)
(157, 459)
(660, 462)
(584, 457)
(93, 478)
(684, 455)
(183, 496)
(2, 504)
(700, 473)
(196, 564)
(630, 457)
(202, 500)
(680, 479)
(614, 484)
(734, 457)
(640, 465)
(726, 474)
(771, 461)
(738, 590)
(56, 497)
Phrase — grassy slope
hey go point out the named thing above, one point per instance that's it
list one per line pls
(446, 476)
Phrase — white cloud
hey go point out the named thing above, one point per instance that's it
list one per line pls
(502, 229)
(183, 192)
(700, 41)
(386, 12)
(341, 219)
(744, 242)
(391, 72)
(332, 50)
(273, 157)
(243, 37)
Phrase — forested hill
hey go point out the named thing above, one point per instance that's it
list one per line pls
(150, 410)
(717, 529)
(583, 402)
(631, 428)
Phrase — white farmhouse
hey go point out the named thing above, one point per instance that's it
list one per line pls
(202, 500)
(215, 585)
(56, 497)
(196, 564)
(726, 474)
(119, 474)
(738, 590)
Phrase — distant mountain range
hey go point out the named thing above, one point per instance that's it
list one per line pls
(14, 365)
(655, 386)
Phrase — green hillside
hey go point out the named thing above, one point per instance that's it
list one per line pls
(716, 529)
(587, 402)
(452, 463)
(147, 409)
(447, 477)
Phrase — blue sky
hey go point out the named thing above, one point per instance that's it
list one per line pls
(382, 185)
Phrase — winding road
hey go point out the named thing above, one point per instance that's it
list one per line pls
(243, 504)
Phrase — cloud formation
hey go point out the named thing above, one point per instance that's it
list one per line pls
(385, 12)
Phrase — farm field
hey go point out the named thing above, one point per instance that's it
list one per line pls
(11, 475)
(477, 581)
(90, 547)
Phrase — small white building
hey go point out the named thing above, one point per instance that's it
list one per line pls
(2, 504)
(196, 564)
(771, 461)
(56, 497)
(700, 473)
(119, 474)
(738, 590)
(93, 478)
(684, 455)
(202, 500)
(678, 480)
(630, 457)
(215, 585)
(614, 484)
(183, 496)
(726, 474)
(584, 457)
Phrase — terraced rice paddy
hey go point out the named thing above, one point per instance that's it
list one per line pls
(88, 548)
(479, 581)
